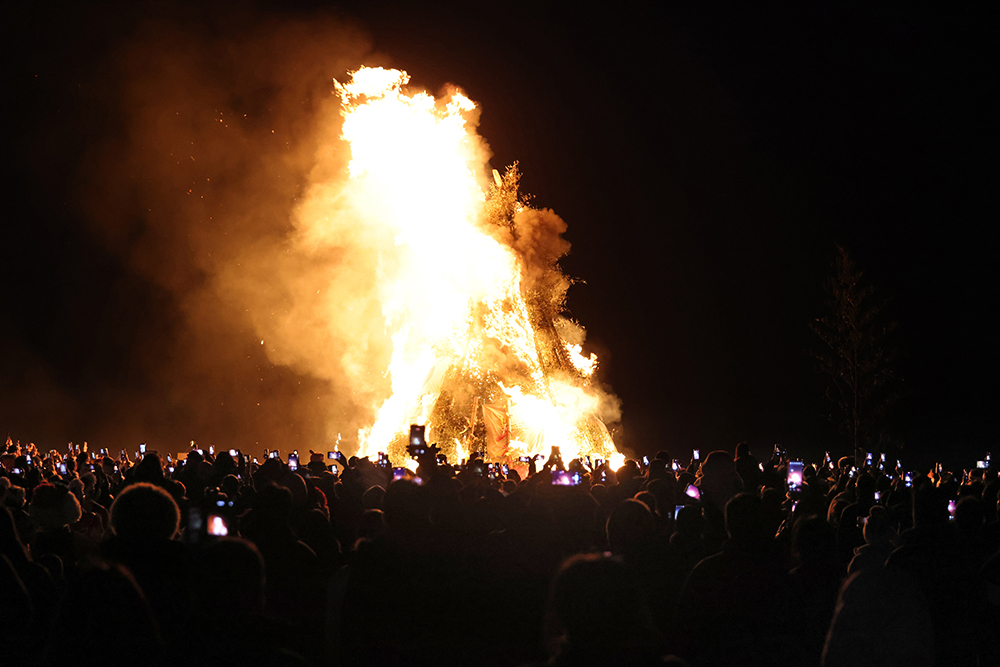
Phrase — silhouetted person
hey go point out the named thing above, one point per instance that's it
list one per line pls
(748, 468)
(815, 583)
(145, 520)
(600, 615)
(931, 555)
(879, 542)
(228, 586)
(104, 621)
(881, 620)
(733, 609)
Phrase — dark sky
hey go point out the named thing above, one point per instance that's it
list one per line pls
(707, 160)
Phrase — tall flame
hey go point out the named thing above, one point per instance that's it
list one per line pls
(470, 329)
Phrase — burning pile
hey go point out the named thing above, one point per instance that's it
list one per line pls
(468, 283)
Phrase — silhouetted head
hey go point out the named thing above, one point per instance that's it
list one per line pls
(404, 505)
(149, 469)
(53, 507)
(719, 477)
(742, 450)
(599, 604)
(103, 596)
(744, 518)
(866, 487)
(930, 506)
(690, 521)
(628, 470)
(145, 512)
(273, 504)
(970, 514)
(373, 498)
(629, 525)
(230, 485)
(815, 540)
(230, 577)
(878, 528)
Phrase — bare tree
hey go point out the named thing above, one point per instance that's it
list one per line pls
(857, 359)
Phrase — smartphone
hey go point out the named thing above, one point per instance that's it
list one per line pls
(417, 438)
(383, 460)
(982, 465)
(27, 459)
(17, 471)
(171, 469)
(878, 496)
(645, 461)
(525, 459)
(675, 465)
(883, 457)
(142, 448)
(398, 473)
(693, 491)
(868, 459)
(566, 478)
(273, 455)
(794, 475)
(506, 469)
(169, 460)
(62, 469)
(211, 449)
(697, 454)
(232, 452)
(491, 471)
(331, 455)
(677, 510)
(255, 461)
(333, 468)
(908, 479)
(952, 506)
(217, 526)
(293, 462)
(103, 451)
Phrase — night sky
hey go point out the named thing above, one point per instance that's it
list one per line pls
(706, 159)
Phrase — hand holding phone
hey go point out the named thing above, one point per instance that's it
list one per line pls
(794, 476)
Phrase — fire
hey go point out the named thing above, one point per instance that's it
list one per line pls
(478, 339)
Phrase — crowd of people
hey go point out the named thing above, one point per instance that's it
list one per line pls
(727, 561)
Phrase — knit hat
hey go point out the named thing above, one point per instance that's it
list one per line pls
(53, 506)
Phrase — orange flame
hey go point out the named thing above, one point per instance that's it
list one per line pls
(452, 291)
